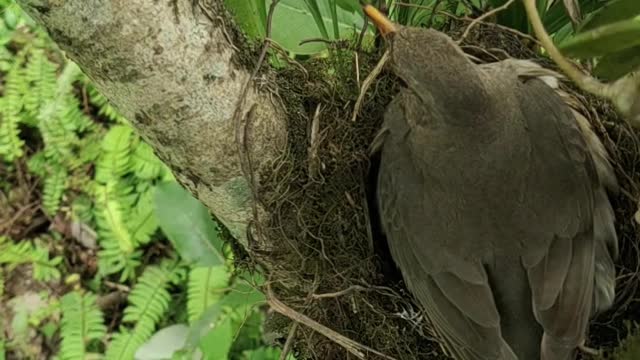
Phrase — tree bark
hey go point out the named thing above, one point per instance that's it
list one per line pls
(172, 68)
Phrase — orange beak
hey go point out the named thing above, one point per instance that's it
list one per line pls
(379, 20)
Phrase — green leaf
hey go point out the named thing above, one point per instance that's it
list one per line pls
(612, 12)
(292, 23)
(614, 66)
(514, 16)
(217, 343)
(313, 7)
(164, 343)
(188, 225)
(251, 16)
(556, 16)
(604, 40)
(333, 6)
(349, 5)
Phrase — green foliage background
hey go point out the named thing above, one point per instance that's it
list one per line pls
(98, 184)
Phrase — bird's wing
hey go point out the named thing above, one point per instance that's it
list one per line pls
(566, 207)
(459, 303)
(562, 279)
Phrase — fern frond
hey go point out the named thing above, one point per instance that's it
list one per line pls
(142, 220)
(37, 164)
(26, 252)
(110, 217)
(58, 130)
(116, 213)
(41, 75)
(112, 260)
(82, 322)
(105, 108)
(44, 268)
(115, 161)
(10, 107)
(54, 186)
(148, 302)
(13, 254)
(91, 146)
(206, 286)
(73, 113)
(145, 163)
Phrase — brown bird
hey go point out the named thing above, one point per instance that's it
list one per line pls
(492, 193)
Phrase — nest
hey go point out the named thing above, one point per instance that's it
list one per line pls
(325, 256)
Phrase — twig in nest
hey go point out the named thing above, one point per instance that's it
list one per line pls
(287, 345)
(346, 291)
(314, 143)
(367, 83)
(353, 347)
(357, 60)
(363, 32)
(480, 18)
(321, 40)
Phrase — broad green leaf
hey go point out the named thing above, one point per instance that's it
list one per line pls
(217, 343)
(514, 16)
(556, 16)
(604, 40)
(614, 66)
(293, 22)
(164, 343)
(349, 5)
(313, 7)
(612, 12)
(251, 16)
(188, 225)
(333, 6)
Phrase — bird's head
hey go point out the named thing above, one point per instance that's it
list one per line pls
(431, 64)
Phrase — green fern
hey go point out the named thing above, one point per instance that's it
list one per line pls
(44, 267)
(148, 303)
(35, 254)
(82, 322)
(105, 108)
(41, 75)
(54, 186)
(10, 107)
(145, 163)
(142, 221)
(206, 286)
(113, 202)
(37, 164)
(115, 160)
